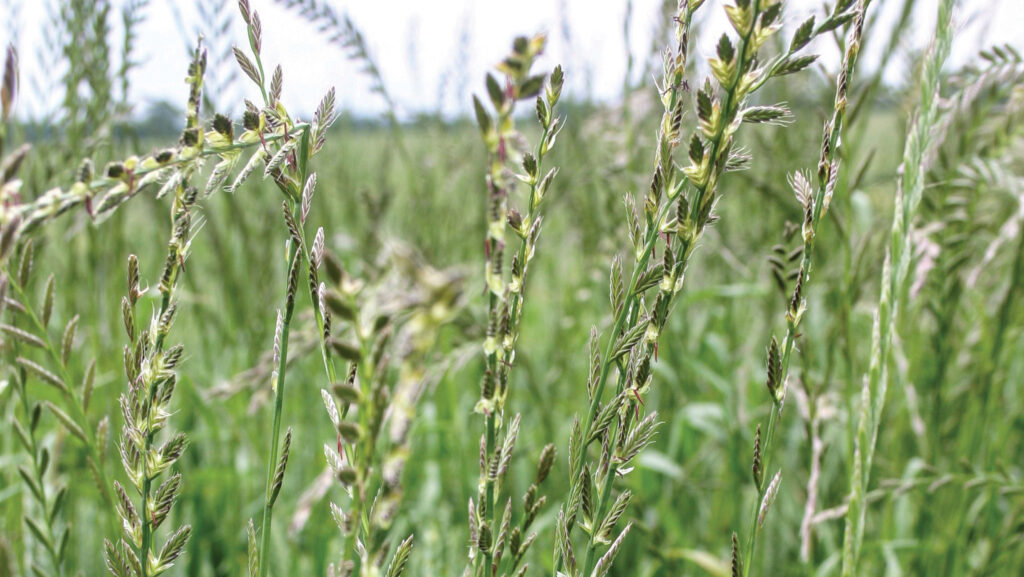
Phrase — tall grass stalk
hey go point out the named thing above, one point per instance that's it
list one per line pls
(894, 279)
(288, 166)
(276, 465)
(622, 304)
(505, 299)
(150, 370)
(48, 532)
(814, 202)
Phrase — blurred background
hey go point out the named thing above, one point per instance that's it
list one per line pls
(432, 55)
(403, 174)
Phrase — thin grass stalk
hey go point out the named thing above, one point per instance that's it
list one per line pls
(386, 336)
(363, 454)
(813, 481)
(152, 379)
(314, 256)
(185, 197)
(288, 165)
(281, 337)
(150, 370)
(275, 465)
(505, 300)
(894, 277)
(673, 273)
(668, 139)
(315, 253)
(174, 266)
(815, 205)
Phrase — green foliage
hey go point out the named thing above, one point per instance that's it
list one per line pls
(735, 378)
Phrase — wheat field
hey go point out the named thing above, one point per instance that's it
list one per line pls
(757, 313)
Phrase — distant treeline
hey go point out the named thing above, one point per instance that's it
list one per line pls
(163, 119)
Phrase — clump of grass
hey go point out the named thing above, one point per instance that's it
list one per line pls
(45, 522)
(617, 425)
(814, 202)
(974, 136)
(375, 324)
(54, 371)
(489, 535)
(29, 330)
(894, 278)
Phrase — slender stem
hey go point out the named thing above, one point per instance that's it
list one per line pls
(683, 252)
(362, 457)
(620, 322)
(515, 303)
(500, 347)
(282, 367)
(147, 479)
(294, 252)
(517, 297)
(754, 528)
(491, 425)
(829, 164)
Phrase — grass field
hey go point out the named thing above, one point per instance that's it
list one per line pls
(898, 444)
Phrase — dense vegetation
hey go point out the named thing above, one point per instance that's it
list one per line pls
(750, 338)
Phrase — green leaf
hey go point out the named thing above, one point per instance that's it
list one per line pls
(495, 92)
(483, 119)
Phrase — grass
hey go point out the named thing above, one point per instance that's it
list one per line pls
(628, 409)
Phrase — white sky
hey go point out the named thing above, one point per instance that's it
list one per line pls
(417, 43)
